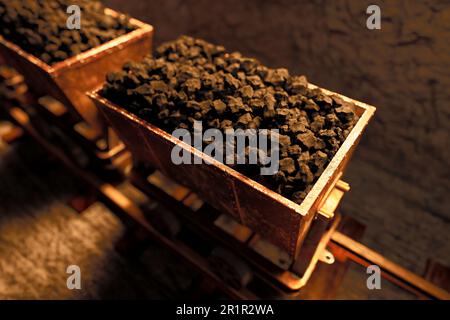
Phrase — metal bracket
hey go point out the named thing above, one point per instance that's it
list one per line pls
(326, 257)
(333, 199)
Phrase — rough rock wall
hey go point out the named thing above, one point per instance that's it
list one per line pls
(400, 174)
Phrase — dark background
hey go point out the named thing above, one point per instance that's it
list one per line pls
(400, 173)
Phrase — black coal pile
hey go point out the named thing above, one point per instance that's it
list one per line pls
(40, 27)
(190, 79)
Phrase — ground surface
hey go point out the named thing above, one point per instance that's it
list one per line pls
(40, 236)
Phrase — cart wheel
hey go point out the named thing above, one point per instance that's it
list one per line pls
(230, 268)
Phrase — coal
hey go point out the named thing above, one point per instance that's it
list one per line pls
(190, 79)
(219, 106)
(40, 27)
(294, 149)
(318, 123)
(246, 92)
(307, 139)
(245, 119)
(320, 159)
(287, 165)
(255, 81)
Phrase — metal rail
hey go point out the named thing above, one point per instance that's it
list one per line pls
(390, 270)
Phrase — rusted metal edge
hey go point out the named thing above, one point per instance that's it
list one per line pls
(91, 54)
